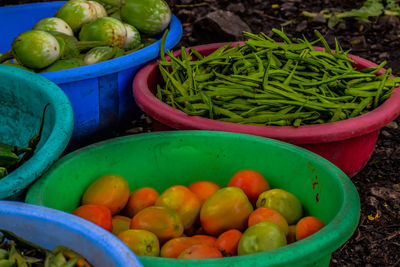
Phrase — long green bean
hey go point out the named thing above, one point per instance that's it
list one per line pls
(265, 82)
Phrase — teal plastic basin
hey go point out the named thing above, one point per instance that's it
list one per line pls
(23, 95)
(164, 159)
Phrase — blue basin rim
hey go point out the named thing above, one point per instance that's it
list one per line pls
(117, 250)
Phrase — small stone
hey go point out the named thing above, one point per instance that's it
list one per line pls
(319, 19)
(220, 26)
(302, 26)
(342, 26)
(236, 8)
(396, 187)
(386, 133)
(383, 55)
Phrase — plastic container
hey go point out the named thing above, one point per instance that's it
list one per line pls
(49, 228)
(348, 144)
(100, 94)
(23, 96)
(164, 159)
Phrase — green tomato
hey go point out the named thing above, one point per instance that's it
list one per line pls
(105, 29)
(78, 12)
(36, 49)
(283, 202)
(261, 237)
(53, 24)
(148, 16)
(133, 39)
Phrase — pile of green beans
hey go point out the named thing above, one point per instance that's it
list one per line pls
(265, 82)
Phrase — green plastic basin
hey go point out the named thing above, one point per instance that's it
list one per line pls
(23, 96)
(164, 159)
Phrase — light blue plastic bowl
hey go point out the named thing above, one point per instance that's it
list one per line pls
(49, 228)
(23, 96)
(100, 94)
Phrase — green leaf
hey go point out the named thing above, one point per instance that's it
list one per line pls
(333, 21)
(371, 8)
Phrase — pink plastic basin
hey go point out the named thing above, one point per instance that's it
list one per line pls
(348, 143)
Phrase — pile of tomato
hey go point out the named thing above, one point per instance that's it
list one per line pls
(202, 220)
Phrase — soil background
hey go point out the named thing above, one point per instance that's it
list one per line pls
(376, 242)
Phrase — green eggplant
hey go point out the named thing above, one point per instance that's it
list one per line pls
(132, 39)
(34, 49)
(64, 64)
(148, 16)
(146, 41)
(100, 10)
(99, 54)
(53, 24)
(71, 47)
(119, 52)
(78, 12)
(105, 29)
(116, 15)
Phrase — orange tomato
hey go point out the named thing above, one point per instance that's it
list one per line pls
(307, 226)
(200, 252)
(120, 224)
(291, 236)
(173, 247)
(206, 239)
(251, 182)
(183, 201)
(204, 189)
(97, 214)
(140, 199)
(228, 242)
(266, 214)
(226, 209)
(162, 221)
(141, 242)
(110, 190)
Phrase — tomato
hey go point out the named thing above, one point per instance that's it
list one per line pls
(173, 247)
(163, 222)
(140, 199)
(97, 214)
(200, 252)
(110, 190)
(283, 202)
(266, 214)
(291, 235)
(183, 201)
(204, 189)
(141, 242)
(120, 224)
(307, 226)
(251, 182)
(228, 242)
(261, 237)
(206, 240)
(226, 209)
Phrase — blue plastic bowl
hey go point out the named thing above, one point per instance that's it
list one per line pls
(100, 94)
(23, 96)
(49, 228)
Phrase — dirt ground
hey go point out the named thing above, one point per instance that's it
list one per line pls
(376, 241)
